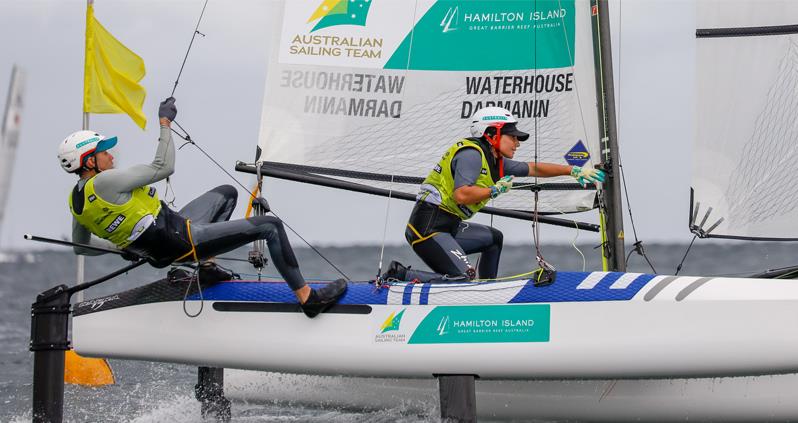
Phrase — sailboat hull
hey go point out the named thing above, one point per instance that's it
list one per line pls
(584, 326)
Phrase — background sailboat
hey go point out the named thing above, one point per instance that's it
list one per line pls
(9, 139)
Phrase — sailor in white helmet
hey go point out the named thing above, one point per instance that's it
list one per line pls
(120, 208)
(471, 173)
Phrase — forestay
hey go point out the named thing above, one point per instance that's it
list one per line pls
(746, 142)
(385, 87)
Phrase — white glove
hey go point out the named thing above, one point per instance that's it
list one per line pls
(503, 185)
(587, 175)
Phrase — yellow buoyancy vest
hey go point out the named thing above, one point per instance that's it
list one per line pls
(118, 223)
(438, 187)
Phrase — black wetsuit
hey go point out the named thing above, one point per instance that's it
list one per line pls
(446, 251)
(167, 238)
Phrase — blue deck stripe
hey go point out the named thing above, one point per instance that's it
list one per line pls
(424, 299)
(408, 292)
(562, 290)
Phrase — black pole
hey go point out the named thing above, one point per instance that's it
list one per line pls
(458, 398)
(612, 208)
(49, 338)
(30, 237)
(209, 391)
(351, 186)
(48, 341)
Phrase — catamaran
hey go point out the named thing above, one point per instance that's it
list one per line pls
(363, 95)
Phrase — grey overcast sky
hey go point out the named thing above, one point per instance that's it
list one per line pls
(219, 101)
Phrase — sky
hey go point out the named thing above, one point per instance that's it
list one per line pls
(219, 100)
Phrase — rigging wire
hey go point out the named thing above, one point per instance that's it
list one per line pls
(638, 244)
(384, 231)
(535, 215)
(679, 267)
(191, 43)
(169, 187)
(188, 140)
(378, 279)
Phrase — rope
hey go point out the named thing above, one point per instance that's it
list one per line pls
(384, 231)
(679, 267)
(194, 276)
(638, 245)
(188, 140)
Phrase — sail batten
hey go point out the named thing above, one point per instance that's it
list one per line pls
(746, 136)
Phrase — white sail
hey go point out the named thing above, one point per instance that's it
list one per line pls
(9, 135)
(746, 137)
(385, 87)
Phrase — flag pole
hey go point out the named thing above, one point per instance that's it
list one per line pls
(80, 260)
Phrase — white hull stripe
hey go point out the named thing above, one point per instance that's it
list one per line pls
(624, 281)
(592, 280)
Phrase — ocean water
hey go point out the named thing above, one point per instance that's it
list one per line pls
(155, 392)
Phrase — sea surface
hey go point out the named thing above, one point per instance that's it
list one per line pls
(154, 392)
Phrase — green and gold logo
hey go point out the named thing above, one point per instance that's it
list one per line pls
(392, 322)
(340, 12)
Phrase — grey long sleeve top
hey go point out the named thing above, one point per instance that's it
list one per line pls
(115, 186)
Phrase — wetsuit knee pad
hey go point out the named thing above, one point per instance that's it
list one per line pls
(498, 237)
(227, 191)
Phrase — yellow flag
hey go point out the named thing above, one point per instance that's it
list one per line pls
(112, 74)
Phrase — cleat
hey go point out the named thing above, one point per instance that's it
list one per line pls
(323, 298)
(396, 271)
(177, 274)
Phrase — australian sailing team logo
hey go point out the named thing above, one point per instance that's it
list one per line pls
(343, 42)
(340, 12)
(391, 324)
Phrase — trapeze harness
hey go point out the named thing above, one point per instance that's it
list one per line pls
(144, 224)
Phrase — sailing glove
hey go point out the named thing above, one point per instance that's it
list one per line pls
(168, 109)
(587, 175)
(503, 185)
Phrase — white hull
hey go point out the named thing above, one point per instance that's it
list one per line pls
(681, 347)
(741, 399)
(719, 327)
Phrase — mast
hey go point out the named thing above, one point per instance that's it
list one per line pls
(610, 197)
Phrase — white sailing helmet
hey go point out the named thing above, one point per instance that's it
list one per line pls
(495, 117)
(77, 147)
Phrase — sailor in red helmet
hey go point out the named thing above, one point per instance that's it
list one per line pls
(471, 173)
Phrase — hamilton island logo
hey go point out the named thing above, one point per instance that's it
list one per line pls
(389, 330)
(340, 12)
(443, 326)
(450, 20)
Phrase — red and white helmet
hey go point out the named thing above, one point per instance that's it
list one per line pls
(496, 117)
(79, 146)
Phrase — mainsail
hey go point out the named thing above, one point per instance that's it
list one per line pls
(9, 135)
(746, 137)
(373, 92)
